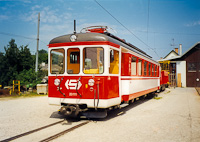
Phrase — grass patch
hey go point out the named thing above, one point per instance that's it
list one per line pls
(167, 92)
(31, 94)
(27, 94)
(157, 98)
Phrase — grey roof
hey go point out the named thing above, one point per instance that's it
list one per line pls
(179, 57)
(99, 37)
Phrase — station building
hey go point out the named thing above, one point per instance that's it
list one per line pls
(186, 67)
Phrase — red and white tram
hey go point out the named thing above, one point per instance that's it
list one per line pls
(94, 71)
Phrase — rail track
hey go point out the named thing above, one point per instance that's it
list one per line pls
(31, 137)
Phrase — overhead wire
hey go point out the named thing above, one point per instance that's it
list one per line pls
(125, 27)
(9, 34)
(15, 35)
(148, 21)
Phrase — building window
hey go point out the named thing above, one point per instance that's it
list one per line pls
(199, 67)
(173, 65)
(133, 65)
(192, 67)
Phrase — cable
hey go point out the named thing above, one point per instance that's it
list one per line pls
(148, 21)
(125, 27)
(8, 34)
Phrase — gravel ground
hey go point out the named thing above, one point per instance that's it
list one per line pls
(198, 89)
(174, 117)
(20, 115)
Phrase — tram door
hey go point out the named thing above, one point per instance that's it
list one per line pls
(114, 71)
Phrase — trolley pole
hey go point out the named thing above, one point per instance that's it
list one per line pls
(36, 62)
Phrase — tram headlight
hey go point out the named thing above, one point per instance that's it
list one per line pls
(56, 81)
(73, 38)
(91, 82)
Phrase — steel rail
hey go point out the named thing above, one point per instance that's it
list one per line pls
(29, 132)
(63, 132)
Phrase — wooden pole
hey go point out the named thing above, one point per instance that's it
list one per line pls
(36, 62)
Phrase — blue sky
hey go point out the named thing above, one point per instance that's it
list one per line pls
(154, 22)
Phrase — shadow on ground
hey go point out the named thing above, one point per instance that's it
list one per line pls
(111, 114)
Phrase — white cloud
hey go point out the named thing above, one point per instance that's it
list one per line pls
(35, 7)
(192, 24)
(47, 15)
(3, 17)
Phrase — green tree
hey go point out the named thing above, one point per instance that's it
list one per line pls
(25, 59)
(11, 65)
(2, 68)
(18, 64)
(43, 56)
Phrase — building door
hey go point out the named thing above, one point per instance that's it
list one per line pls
(198, 75)
(193, 67)
(192, 74)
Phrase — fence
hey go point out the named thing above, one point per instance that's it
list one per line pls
(172, 80)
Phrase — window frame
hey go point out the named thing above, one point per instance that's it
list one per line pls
(64, 62)
(153, 70)
(145, 73)
(116, 50)
(149, 69)
(141, 67)
(83, 59)
(136, 72)
(70, 59)
(196, 67)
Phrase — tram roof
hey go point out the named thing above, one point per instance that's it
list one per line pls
(82, 37)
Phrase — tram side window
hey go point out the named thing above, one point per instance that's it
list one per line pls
(149, 69)
(57, 65)
(145, 68)
(73, 60)
(139, 67)
(133, 65)
(153, 70)
(114, 62)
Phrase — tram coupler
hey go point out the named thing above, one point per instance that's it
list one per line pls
(70, 110)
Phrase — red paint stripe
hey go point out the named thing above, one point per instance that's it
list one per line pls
(138, 78)
(84, 43)
(138, 94)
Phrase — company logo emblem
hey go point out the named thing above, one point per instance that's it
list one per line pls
(71, 84)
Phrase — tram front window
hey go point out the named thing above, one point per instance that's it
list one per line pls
(73, 61)
(93, 60)
(57, 61)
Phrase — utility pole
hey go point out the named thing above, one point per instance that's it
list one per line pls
(36, 62)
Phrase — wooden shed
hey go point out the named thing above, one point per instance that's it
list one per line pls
(192, 59)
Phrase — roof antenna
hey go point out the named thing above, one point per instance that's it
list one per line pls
(74, 26)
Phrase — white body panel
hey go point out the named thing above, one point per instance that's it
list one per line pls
(138, 84)
(90, 102)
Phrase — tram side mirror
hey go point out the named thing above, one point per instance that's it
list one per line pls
(111, 55)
